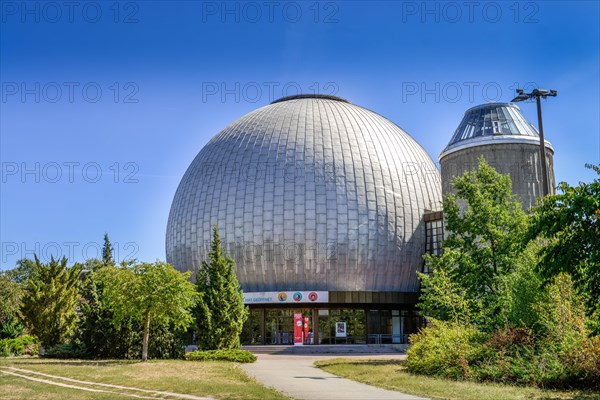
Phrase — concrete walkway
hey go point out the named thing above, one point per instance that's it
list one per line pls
(296, 376)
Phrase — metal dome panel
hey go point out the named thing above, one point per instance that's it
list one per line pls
(310, 193)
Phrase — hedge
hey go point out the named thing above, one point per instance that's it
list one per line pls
(241, 356)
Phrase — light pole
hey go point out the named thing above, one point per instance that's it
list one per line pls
(538, 93)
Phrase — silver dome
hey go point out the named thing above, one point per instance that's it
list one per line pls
(309, 193)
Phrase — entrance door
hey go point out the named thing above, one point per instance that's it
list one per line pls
(279, 326)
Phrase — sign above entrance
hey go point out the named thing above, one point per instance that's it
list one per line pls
(286, 297)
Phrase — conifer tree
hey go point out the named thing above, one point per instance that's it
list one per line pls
(49, 308)
(220, 312)
(107, 252)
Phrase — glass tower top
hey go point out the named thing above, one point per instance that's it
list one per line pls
(492, 119)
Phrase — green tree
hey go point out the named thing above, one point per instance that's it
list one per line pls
(96, 330)
(107, 252)
(442, 298)
(150, 294)
(11, 294)
(24, 271)
(523, 290)
(562, 314)
(220, 313)
(570, 221)
(486, 226)
(49, 307)
(565, 334)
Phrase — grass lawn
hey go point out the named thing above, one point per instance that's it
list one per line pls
(390, 374)
(221, 380)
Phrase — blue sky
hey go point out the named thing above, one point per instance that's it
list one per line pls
(105, 104)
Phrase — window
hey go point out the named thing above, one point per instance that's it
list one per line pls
(434, 235)
(496, 127)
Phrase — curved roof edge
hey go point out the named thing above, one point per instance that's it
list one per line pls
(491, 104)
(491, 119)
(310, 96)
(498, 139)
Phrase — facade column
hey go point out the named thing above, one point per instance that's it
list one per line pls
(261, 318)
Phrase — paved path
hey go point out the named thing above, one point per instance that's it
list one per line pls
(296, 376)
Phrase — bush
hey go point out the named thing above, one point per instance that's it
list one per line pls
(165, 343)
(71, 350)
(446, 349)
(520, 357)
(12, 329)
(241, 356)
(24, 345)
(590, 362)
(585, 360)
(512, 358)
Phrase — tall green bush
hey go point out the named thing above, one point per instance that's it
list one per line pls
(570, 220)
(446, 349)
(220, 312)
(486, 228)
(49, 307)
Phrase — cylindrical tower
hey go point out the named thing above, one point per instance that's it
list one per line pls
(502, 135)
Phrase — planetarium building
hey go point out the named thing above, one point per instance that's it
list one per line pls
(326, 208)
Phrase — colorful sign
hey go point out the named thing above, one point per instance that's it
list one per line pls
(306, 333)
(298, 325)
(286, 297)
(340, 329)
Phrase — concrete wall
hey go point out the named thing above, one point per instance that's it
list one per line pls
(520, 160)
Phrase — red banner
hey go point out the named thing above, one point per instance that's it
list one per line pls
(306, 341)
(298, 329)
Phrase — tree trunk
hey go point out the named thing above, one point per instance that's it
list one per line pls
(146, 336)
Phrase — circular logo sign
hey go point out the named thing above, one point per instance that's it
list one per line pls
(313, 296)
(282, 296)
(297, 296)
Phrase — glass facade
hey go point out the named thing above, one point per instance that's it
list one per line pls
(344, 325)
(493, 119)
(392, 326)
(355, 324)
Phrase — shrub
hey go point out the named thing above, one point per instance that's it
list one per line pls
(12, 329)
(523, 358)
(241, 356)
(586, 361)
(4, 352)
(165, 343)
(24, 345)
(512, 352)
(446, 349)
(70, 350)
(590, 362)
